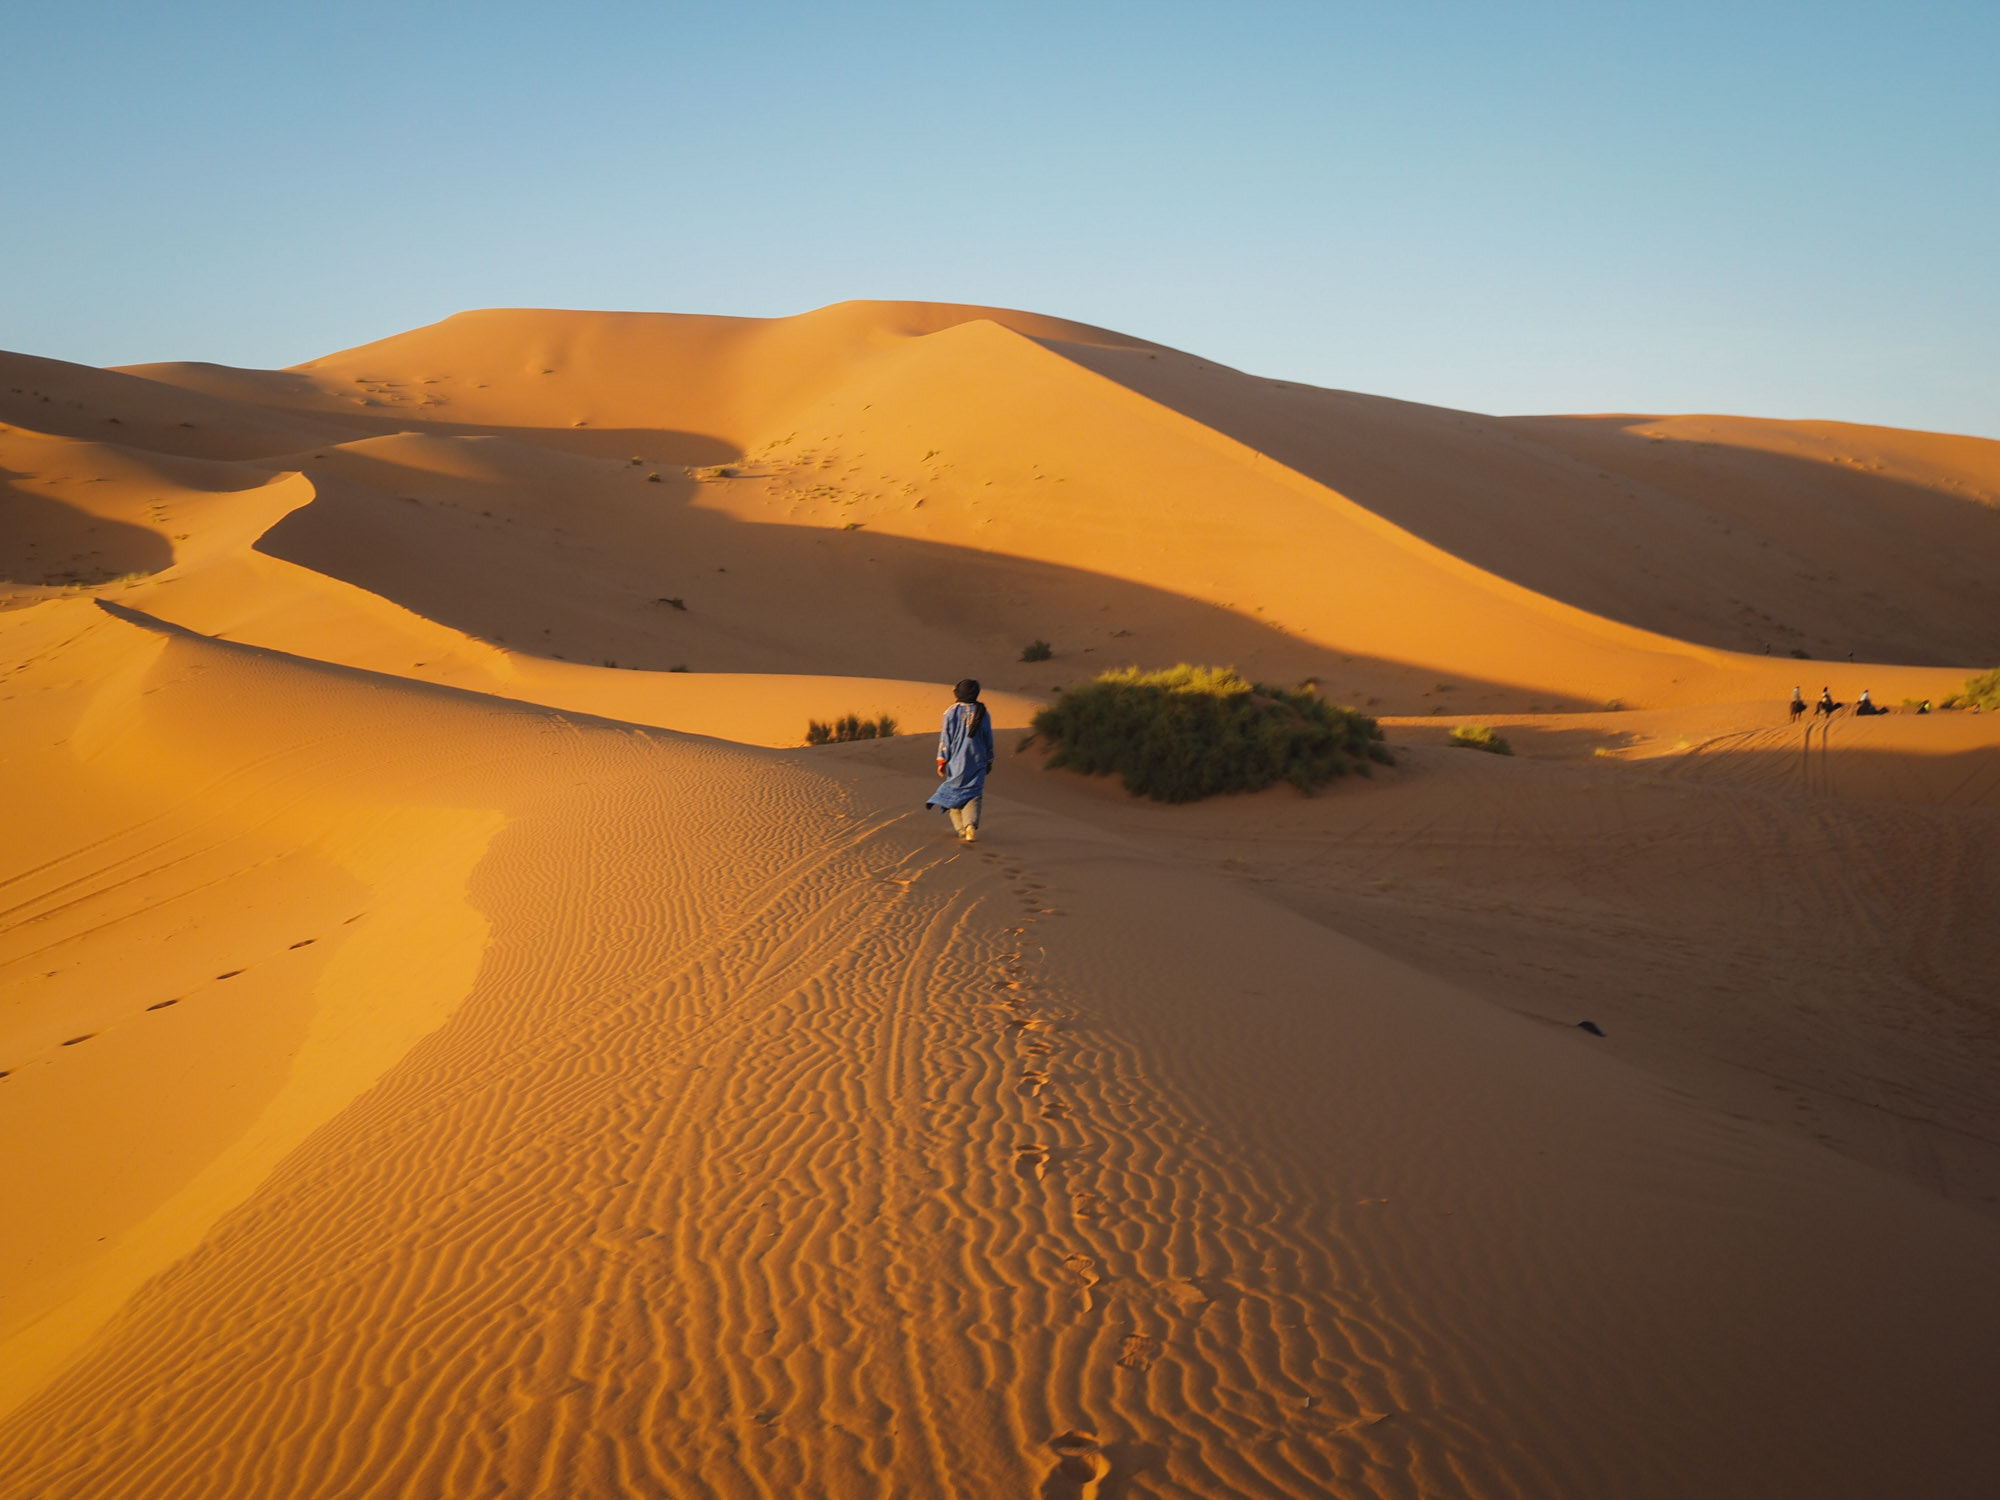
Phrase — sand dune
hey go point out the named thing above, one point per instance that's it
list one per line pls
(1757, 536)
(51, 396)
(470, 1047)
(1732, 532)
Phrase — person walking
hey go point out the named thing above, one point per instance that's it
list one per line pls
(965, 755)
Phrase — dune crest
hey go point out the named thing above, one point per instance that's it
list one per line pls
(474, 1047)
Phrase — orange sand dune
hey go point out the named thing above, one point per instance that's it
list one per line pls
(1753, 535)
(697, 387)
(51, 396)
(469, 1046)
(863, 1163)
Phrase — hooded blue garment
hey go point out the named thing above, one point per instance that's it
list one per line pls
(966, 757)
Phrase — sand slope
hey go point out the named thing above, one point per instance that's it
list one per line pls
(1758, 536)
(467, 1055)
(868, 1165)
(1754, 536)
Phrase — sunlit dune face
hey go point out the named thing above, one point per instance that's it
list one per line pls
(458, 1037)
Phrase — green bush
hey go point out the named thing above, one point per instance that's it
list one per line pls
(1190, 732)
(1479, 737)
(1981, 692)
(851, 727)
(1037, 651)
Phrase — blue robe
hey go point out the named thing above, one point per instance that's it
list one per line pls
(966, 757)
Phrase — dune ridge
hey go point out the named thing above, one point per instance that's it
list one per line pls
(1079, 1196)
(480, 1050)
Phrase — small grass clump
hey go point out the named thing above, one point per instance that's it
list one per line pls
(1190, 732)
(1981, 692)
(1037, 651)
(1480, 737)
(850, 727)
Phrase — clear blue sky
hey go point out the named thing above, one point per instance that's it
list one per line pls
(1779, 209)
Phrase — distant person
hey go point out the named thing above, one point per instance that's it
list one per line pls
(1798, 704)
(1924, 707)
(1826, 705)
(965, 755)
(1864, 706)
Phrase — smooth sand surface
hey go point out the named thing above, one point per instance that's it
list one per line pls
(458, 1041)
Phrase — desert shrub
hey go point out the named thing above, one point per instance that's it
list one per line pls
(1037, 651)
(849, 727)
(1479, 737)
(1190, 732)
(1982, 692)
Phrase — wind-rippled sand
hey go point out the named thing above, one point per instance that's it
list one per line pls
(441, 1062)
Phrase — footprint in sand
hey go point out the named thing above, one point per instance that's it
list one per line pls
(1086, 1205)
(1054, 1109)
(1084, 1270)
(1032, 1160)
(1032, 1081)
(1081, 1467)
(1137, 1352)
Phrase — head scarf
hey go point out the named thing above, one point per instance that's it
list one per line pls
(967, 691)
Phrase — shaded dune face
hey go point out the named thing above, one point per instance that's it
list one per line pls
(465, 1053)
(45, 542)
(1760, 537)
(901, 606)
(1752, 536)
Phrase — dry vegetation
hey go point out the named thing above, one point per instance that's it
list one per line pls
(1480, 737)
(1190, 732)
(849, 727)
